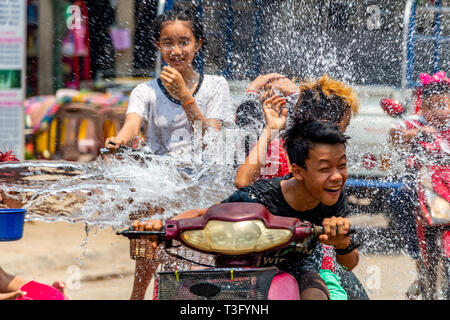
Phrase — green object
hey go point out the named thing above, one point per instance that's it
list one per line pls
(10, 79)
(333, 283)
(60, 29)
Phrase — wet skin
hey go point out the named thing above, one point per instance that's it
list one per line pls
(324, 175)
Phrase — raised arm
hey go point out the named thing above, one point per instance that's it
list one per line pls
(275, 114)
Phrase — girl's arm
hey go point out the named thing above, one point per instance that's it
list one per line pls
(173, 81)
(194, 114)
(249, 171)
(275, 114)
(402, 137)
(129, 130)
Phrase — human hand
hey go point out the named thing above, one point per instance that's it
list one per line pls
(336, 232)
(12, 295)
(174, 83)
(61, 287)
(275, 112)
(149, 225)
(156, 225)
(258, 84)
(113, 143)
(281, 86)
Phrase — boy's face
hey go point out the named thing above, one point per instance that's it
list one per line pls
(325, 173)
(436, 110)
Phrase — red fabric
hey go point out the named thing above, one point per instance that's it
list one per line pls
(329, 258)
(440, 180)
(276, 164)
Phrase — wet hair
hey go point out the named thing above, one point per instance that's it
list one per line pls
(325, 99)
(180, 14)
(300, 137)
(249, 115)
(250, 118)
(435, 88)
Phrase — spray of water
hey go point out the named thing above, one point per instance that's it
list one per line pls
(113, 193)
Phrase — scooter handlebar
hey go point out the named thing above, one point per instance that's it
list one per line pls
(161, 234)
(135, 234)
(110, 151)
(318, 230)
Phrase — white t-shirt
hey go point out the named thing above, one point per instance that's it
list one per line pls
(168, 127)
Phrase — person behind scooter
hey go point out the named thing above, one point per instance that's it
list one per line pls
(312, 192)
(420, 136)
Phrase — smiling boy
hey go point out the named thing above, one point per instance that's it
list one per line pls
(312, 192)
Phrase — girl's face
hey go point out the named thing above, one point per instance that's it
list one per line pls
(178, 45)
(436, 110)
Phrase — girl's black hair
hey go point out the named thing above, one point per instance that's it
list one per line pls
(181, 14)
(435, 88)
(300, 137)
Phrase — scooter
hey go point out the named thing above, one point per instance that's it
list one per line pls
(432, 210)
(237, 235)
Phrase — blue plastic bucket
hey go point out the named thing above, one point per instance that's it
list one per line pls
(11, 224)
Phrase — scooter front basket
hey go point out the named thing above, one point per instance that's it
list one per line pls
(215, 284)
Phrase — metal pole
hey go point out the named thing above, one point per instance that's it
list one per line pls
(200, 62)
(411, 41)
(168, 5)
(437, 33)
(228, 39)
(160, 10)
(257, 39)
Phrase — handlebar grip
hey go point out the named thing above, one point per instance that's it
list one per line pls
(318, 230)
(121, 148)
(134, 234)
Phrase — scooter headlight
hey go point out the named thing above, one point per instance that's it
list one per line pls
(439, 207)
(235, 238)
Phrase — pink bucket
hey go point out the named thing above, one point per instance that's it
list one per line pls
(40, 291)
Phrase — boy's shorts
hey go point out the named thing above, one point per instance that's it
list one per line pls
(308, 280)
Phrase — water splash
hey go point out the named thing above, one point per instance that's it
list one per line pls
(112, 193)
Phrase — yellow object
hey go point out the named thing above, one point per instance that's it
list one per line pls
(41, 138)
(236, 238)
(109, 129)
(83, 128)
(52, 136)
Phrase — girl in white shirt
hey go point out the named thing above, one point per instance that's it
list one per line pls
(180, 97)
(173, 105)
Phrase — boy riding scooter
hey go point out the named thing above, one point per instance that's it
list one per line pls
(313, 192)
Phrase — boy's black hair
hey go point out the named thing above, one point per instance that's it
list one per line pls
(181, 14)
(435, 88)
(300, 137)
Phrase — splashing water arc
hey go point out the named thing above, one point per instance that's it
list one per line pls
(112, 194)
